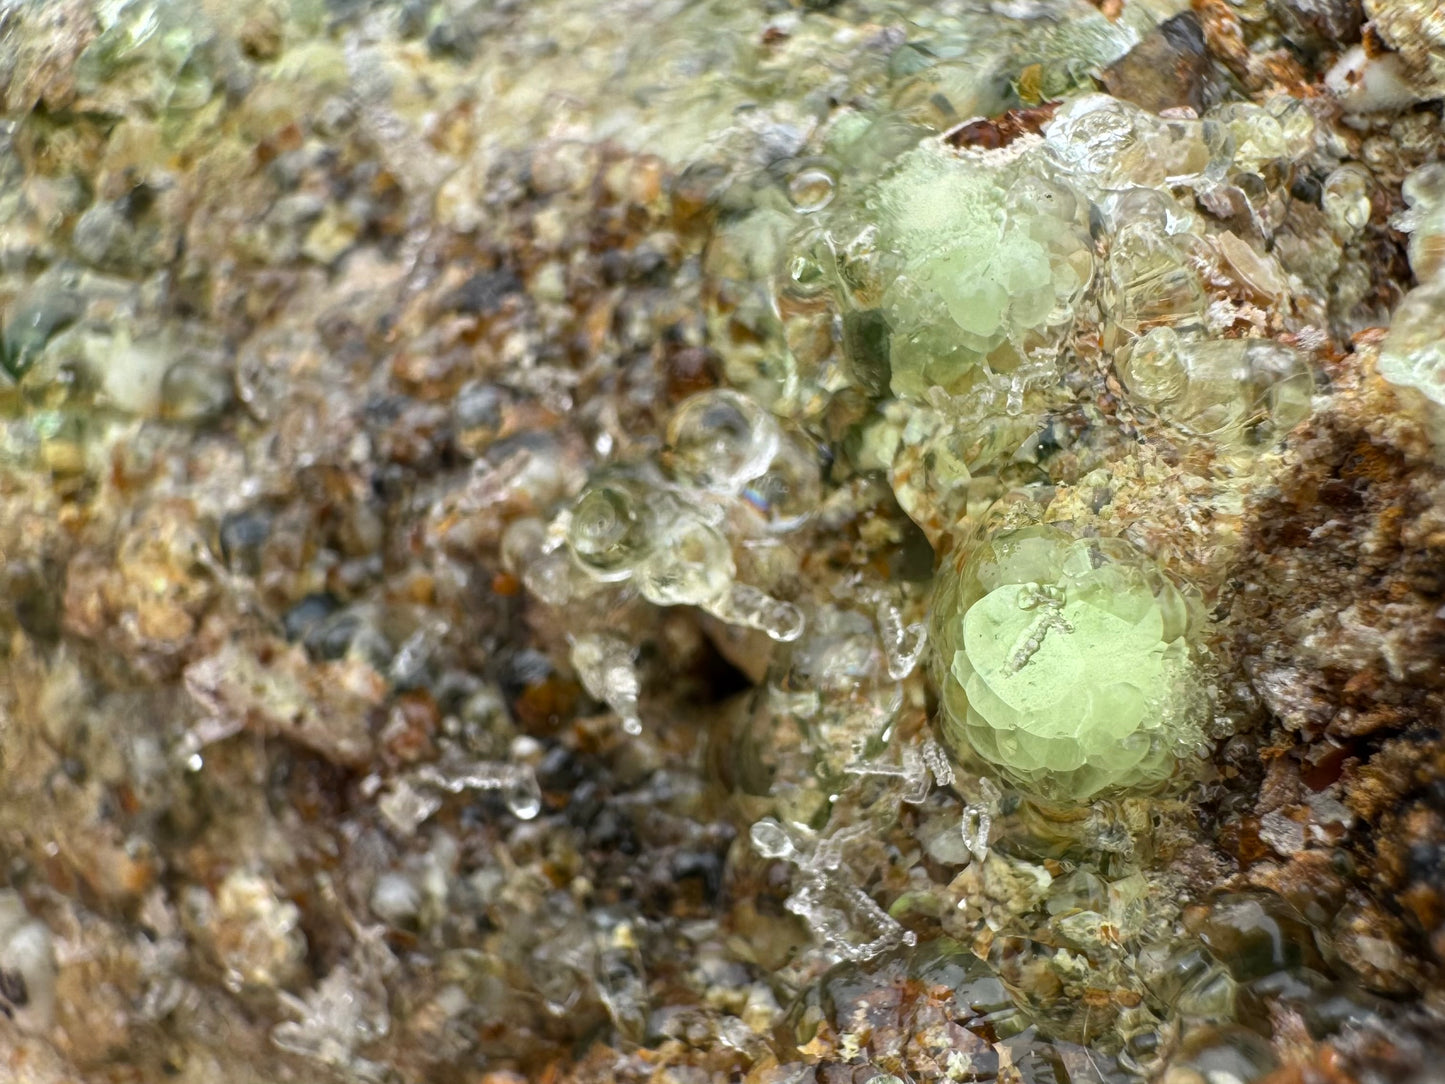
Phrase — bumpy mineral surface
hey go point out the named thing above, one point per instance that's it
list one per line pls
(672, 541)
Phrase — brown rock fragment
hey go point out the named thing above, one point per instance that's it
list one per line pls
(1169, 69)
(275, 690)
(1338, 621)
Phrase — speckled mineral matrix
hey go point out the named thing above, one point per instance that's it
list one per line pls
(671, 541)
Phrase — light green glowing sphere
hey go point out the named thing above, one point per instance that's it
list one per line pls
(1067, 664)
(952, 269)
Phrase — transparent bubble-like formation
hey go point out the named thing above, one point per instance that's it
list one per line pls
(517, 783)
(787, 493)
(750, 607)
(842, 916)
(1067, 664)
(1424, 192)
(604, 664)
(624, 529)
(1346, 201)
(690, 564)
(812, 188)
(720, 440)
(1221, 388)
(1413, 354)
(950, 465)
(1151, 279)
(1111, 144)
(953, 268)
(1258, 137)
(609, 532)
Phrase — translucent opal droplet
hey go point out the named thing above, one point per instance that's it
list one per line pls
(811, 189)
(691, 564)
(720, 440)
(608, 532)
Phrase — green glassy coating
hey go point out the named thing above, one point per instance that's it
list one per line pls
(1066, 663)
(951, 268)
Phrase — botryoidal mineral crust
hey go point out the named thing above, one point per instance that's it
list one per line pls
(1066, 663)
(655, 541)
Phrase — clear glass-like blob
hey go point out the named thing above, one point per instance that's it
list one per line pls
(1151, 280)
(1227, 389)
(1413, 354)
(812, 188)
(691, 564)
(1067, 663)
(789, 490)
(1346, 201)
(604, 664)
(720, 440)
(609, 531)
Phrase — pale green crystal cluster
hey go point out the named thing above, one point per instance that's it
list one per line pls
(970, 268)
(974, 286)
(953, 268)
(331, 326)
(1067, 664)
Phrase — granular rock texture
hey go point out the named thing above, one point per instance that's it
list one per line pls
(1339, 616)
(472, 478)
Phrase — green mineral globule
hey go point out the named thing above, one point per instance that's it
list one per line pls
(1066, 663)
(970, 267)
